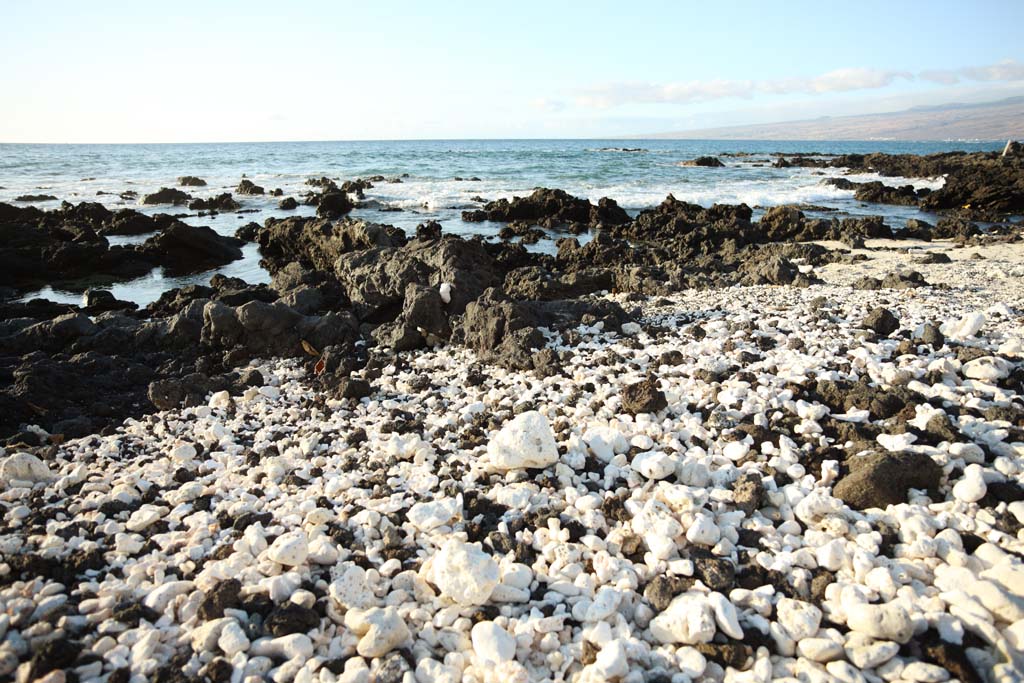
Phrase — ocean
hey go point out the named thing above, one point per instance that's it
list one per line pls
(428, 189)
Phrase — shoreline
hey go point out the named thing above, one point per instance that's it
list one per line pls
(697, 447)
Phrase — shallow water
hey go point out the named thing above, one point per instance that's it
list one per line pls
(586, 168)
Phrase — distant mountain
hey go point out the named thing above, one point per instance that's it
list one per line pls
(1000, 120)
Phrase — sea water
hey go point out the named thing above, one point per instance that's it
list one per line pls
(637, 179)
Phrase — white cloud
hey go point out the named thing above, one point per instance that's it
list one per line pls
(1009, 70)
(839, 80)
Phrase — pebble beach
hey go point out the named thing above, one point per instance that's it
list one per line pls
(746, 484)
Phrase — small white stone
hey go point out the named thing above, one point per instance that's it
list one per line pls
(612, 661)
(967, 326)
(24, 467)
(888, 621)
(873, 655)
(160, 597)
(922, 672)
(988, 368)
(820, 649)
(426, 516)
(688, 620)
(800, 619)
(605, 603)
(465, 573)
(703, 531)
(736, 450)
(492, 643)
(183, 452)
(351, 589)
(971, 488)
(725, 615)
(233, 639)
(382, 630)
(445, 290)
(654, 465)
(524, 442)
(289, 549)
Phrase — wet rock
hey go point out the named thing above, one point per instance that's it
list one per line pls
(706, 161)
(248, 187)
(316, 244)
(549, 208)
(288, 204)
(183, 249)
(222, 202)
(167, 195)
(333, 205)
(191, 181)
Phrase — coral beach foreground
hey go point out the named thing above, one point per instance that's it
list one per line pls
(697, 447)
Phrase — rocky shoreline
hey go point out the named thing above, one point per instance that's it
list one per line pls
(696, 447)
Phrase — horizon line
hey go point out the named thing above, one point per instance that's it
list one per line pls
(657, 138)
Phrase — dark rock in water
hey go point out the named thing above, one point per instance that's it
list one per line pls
(316, 244)
(842, 183)
(883, 194)
(182, 248)
(167, 195)
(333, 205)
(550, 208)
(35, 198)
(222, 202)
(288, 204)
(431, 230)
(881, 321)
(225, 595)
(706, 161)
(290, 618)
(674, 219)
(191, 181)
(99, 300)
(248, 187)
(643, 397)
(877, 480)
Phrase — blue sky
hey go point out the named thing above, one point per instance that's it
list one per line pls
(233, 71)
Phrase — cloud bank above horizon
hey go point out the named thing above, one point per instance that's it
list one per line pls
(836, 81)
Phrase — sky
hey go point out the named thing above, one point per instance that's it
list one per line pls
(221, 71)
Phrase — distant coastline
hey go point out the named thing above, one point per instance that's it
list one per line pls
(956, 122)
